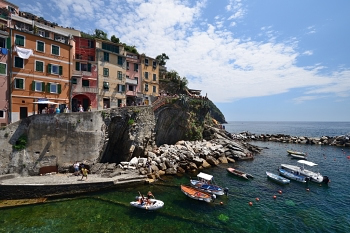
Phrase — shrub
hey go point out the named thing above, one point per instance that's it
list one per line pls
(131, 122)
(21, 143)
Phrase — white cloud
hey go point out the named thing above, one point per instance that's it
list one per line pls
(308, 52)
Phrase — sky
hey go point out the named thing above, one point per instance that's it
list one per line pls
(257, 60)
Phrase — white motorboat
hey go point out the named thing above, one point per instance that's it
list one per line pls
(206, 183)
(314, 176)
(147, 204)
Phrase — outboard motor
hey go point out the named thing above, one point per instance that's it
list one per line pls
(213, 197)
(326, 180)
(226, 191)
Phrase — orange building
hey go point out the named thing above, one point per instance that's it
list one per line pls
(40, 59)
(150, 79)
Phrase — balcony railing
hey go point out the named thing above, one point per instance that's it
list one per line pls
(131, 81)
(131, 93)
(91, 89)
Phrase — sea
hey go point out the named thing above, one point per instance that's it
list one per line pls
(256, 205)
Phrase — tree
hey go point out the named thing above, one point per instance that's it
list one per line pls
(162, 59)
(99, 34)
(115, 39)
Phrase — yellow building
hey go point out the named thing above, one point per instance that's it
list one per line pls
(150, 79)
(111, 66)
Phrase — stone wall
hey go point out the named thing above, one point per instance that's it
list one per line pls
(111, 135)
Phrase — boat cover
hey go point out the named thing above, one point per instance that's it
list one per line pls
(311, 164)
(205, 176)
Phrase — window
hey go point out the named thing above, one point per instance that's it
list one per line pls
(146, 62)
(78, 56)
(121, 88)
(136, 67)
(154, 77)
(127, 65)
(19, 83)
(38, 86)
(53, 88)
(106, 56)
(40, 46)
(146, 75)
(3, 69)
(106, 85)
(54, 69)
(19, 40)
(2, 114)
(55, 50)
(39, 66)
(19, 62)
(131, 88)
(91, 58)
(154, 89)
(146, 87)
(110, 47)
(2, 42)
(85, 83)
(74, 81)
(90, 43)
(120, 61)
(105, 72)
(120, 75)
(154, 64)
(85, 67)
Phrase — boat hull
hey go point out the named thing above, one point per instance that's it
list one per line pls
(276, 178)
(313, 176)
(196, 194)
(239, 173)
(291, 152)
(155, 204)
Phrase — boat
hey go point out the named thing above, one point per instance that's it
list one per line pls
(197, 194)
(239, 173)
(295, 156)
(292, 175)
(147, 204)
(314, 176)
(205, 182)
(292, 152)
(277, 178)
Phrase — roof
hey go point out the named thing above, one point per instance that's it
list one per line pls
(307, 163)
(204, 176)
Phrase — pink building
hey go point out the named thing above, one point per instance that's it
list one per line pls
(133, 79)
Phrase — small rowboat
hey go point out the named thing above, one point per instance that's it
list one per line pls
(277, 178)
(239, 173)
(292, 152)
(292, 175)
(295, 156)
(147, 204)
(197, 194)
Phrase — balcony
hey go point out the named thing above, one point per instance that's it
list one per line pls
(131, 93)
(79, 73)
(131, 81)
(80, 89)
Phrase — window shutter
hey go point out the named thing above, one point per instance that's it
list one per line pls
(77, 65)
(123, 87)
(47, 87)
(60, 70)
(59, 90)
(49, 68)
(9, 43)
(33, 84)
(89, 67)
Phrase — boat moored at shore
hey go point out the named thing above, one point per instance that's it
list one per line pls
(205, 182)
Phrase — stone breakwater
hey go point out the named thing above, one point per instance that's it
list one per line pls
(342, 140)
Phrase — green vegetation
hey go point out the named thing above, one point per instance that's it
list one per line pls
(21, 143)
(6, 135)
(131, 121)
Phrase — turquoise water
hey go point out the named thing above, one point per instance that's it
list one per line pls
(300, 207)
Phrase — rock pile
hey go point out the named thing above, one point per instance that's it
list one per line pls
(342, 140)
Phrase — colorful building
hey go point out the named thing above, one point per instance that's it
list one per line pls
(150, 79)
(84, 77)
(111, 66)
(40, 60)
(133, 80)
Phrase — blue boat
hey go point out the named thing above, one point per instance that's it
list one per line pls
(292, 175)
(277, 178)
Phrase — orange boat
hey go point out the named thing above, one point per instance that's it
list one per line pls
(197, 194)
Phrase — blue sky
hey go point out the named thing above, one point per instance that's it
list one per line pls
(258, 60)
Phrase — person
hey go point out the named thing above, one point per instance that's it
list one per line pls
(76, 168)
(44, 111)
(81, 109)
(89, 108)
(58, 110)
(66, 109)
(150, 195)
(84, 171)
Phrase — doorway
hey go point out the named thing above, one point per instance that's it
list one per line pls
(23, 112)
